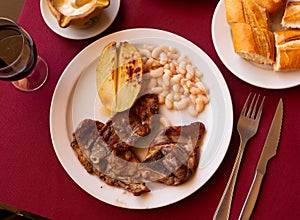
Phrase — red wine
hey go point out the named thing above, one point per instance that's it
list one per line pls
(18, 53)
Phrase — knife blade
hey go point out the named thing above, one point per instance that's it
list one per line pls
(269, 151)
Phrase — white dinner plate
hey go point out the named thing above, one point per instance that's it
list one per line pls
(106, 18)
(75, 98)
(249, 72)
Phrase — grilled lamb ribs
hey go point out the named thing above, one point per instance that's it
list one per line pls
(173, 155)
(106, 150)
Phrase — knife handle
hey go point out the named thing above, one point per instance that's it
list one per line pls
(251, 197)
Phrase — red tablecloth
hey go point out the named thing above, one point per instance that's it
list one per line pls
(32, 178)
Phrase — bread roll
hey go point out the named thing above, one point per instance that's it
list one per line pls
(255, 15)
(234, 11)
(252, 37)
(291, 17)
(287, 50)
(272, 6)
(254, 44)
(285, 36)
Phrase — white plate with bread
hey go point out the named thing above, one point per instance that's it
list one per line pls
(237, 52)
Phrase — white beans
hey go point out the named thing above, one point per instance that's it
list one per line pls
(169, 103)
(152, 82)
(175, 80)
(163, 58)
(157, 72)
(192, 110)
(176, 97)
(195, 90)
(182, 104)
(166, 80)
(156, 90)
(144, 52)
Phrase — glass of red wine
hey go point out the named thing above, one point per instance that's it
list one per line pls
(19, 62)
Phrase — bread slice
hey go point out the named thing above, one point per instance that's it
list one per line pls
(234, 11)
(291, 16)
(287, 50)
(272, 6)
(255, 15)
(254, 44)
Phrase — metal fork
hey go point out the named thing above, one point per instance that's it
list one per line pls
(247, 127)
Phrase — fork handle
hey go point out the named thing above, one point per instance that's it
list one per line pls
(223, 209)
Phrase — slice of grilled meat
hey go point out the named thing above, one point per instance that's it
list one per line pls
(173, 155)
(116, 167)
(127, 127)
(106, 149)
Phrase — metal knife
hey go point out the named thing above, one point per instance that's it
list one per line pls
(269, 151)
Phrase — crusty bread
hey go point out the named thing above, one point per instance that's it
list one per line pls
(252, 37)
(272, 6)
(251, 34)
(243, 41)
(285, 36)
(255, 15)
(291, 17)
(234, 11)
(254, 44)
(287, 50)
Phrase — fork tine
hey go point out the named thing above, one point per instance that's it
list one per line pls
(260, 109)
(244, 110)
(251, 106)
(255, 107)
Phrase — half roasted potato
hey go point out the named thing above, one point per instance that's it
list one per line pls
(119, 76)
(106, 74)
(129, 78)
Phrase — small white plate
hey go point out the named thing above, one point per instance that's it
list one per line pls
(75, 98)
(107, 16)
(249, 72)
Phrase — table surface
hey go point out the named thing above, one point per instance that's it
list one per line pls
(32, 178)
